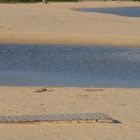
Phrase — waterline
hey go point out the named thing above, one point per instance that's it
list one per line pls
(122, 11)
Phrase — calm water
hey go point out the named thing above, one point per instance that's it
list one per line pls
(122, 11)
(57, 65)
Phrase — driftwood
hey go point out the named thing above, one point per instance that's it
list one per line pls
(94, 89)
(43, 90)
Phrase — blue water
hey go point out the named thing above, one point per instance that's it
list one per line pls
(69, 65)
(122, 11)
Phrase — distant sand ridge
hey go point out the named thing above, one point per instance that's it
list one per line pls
(60, 23)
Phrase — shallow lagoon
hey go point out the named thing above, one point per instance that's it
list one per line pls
(122, 11)
(69, 65)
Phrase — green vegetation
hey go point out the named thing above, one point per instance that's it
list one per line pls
(32, 1)
(16, 1)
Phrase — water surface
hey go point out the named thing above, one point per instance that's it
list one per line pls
(122, 11)
(58, 65)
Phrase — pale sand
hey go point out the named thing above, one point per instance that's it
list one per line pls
(60, 23)
(122, 104)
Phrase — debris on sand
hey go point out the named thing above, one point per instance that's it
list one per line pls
(43, 90)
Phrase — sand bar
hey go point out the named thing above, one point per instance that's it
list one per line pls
(60, 23)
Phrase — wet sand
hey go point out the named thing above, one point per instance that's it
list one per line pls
(61, 23)
(121, 103)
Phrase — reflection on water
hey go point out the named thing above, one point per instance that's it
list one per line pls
(122, 11)
(57, 65)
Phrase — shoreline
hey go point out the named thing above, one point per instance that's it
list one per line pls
(80, 87)
(58, 23)
(73, 42)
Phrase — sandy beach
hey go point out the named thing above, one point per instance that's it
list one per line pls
(122, 104)
(62, 23)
